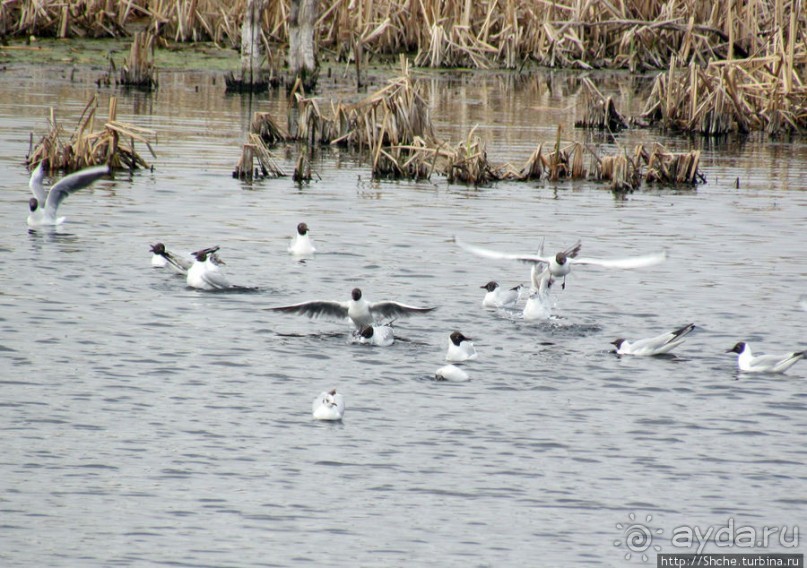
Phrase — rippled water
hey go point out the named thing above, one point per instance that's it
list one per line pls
(144, 423)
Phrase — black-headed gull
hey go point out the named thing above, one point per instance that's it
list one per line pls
(764, 363)
(205, 273)
(301, 244)
(361, 312)
(497, 297)
(460, 348)
(561, 263)
(161, 257)
(328, 405)
(539, 304)
(45, 204)
(450, 373)
(657, 345)
(380, 335)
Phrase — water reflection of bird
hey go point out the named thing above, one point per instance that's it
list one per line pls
(45, 204)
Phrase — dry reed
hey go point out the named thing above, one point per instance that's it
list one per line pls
(139, 70)
(114, 144)
(256, 161)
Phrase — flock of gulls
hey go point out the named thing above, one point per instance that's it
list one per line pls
(372, 320)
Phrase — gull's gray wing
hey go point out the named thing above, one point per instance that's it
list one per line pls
(396, 309)
(72, 183)
(36, 184)
(627, 262)
(315, 309)
(216, 279)
(179, 264)
(488, 253)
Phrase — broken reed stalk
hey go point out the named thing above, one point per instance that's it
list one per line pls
(252, 151)
(265, 126)
(600, 111)
(113, 145)
(139, 70)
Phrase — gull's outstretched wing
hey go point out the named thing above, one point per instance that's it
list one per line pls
(72, 183)
(488, 253)
(627, 262)
(315, 309)
(396, 309)
(37, 184)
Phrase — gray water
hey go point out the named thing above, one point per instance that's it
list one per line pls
(145, 423)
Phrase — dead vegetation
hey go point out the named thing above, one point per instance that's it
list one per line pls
(113, 143)
(138, 69)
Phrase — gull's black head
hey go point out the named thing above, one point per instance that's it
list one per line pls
(33, 204)
(618, 342)
(561, 258)
(457, 338)
(490, 286)
(332, 392)
(367, 332)
(302, 229)
(201, 255)
(738, 348)
(158, 248)
(356, 294)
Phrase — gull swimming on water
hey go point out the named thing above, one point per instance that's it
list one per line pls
(301, 244)
(560, 265)
(450, 373)
(764, 363)
(161, 257)
(380, 335)
(205, 273)
(657, 345)
(361, 312)
(460, 348)
(328, 406)
(45, 204)
(497, 297)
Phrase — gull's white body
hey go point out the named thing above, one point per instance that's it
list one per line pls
(205, 272)
(44, 206)
(162, 258)
(361, 312)
(497, 297)
(460, 348)
(379, 335)
(301, 243)
(450, 373)
(657, 345)
(328, 406)
(539, 304)
(749, 363)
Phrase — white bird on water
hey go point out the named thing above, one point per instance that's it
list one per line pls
(301, 244)
(497, 297)
(205, 273)
(161, 258)
(539, 304)
(460, 348)
(361, 312)
(560, 265)
(379, 335)
(749, 363)
(44, 205)
(328, 406)
(657, 345)
(450, 373)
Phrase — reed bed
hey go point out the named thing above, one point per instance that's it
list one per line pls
(138, 69)
(627, 34)
(113, 144)
(600, 111)
(737, 96)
